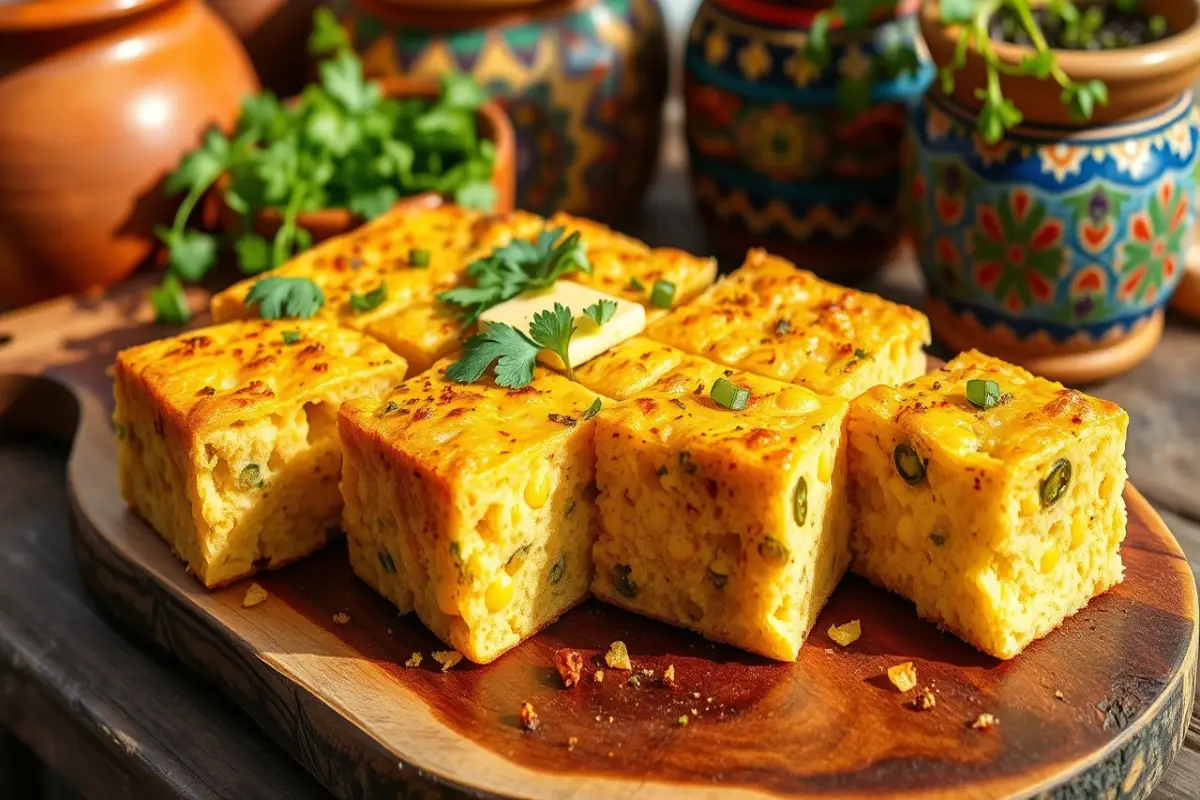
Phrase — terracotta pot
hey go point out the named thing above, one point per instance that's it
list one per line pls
(330, 222)
(100, 99)
(1058, 247)
(778, 158)
(275, 34)
(582, 80)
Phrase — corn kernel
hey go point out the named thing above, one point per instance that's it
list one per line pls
(681, 547)
(903, 676)
(537, 491)
(499, 593)
(795, 400)
(825, 466)
(846, 634)
(1050, 559)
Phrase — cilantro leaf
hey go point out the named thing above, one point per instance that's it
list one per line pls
(480, 195)
(601, 311)
(511, 350)
(342, 78)
(369, 204)
(460, 91)
(957, 12)
(328, 36)
(190, 254)
(253, 253)
(198, 169)
(362, 303)
(280, 298)
(170, 302)
(553, 330)
(593, 409)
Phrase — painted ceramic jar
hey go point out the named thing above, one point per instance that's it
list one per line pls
(582, 80)
(778, 159)
(1058, 247)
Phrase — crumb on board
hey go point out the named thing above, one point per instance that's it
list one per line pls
(414, 660)
(635, 681)
(1059, 695)
(529, 717)
(610, 720)
(569, 664)
(668, 676)
(925, 701)
(696, 695)
(617, 656)
(255, 595)
(649, 673)
(598, 676)
(846, 634)
(683, 720)
(985, 721)
(572, 741)
(903, 676)
(341, 618)
(447, 658)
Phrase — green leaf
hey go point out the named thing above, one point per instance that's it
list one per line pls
(553, 330)
(253, 253)
(593, 409)
(1082, 98)
(285, 298)
(199, 168)
(1039, 64)
(511, 350)
(292, 337)
(170, 302)
(342, 78)
(459, 90)
(900, 60)
(854, 96)
(370, 203)
(817, 48)
(480, 195)
(997, 117)
(362, 303)
(328, 36)
(958, 12)
(190, 254)
(601, 311)
(262, 116)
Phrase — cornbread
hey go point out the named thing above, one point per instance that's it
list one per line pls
(769, 318)
(730, 523)
(635, 365)
(227, 442)
(1000, 523)
(472, 504)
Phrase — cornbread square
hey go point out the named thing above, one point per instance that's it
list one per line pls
(1000, 523)
(227, 441)
(473, 504)
(637, 364)
(772, 319)
(731, 523)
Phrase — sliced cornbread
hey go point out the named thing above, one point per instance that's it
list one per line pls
(473, 504)
(731, 523)
(997, 523)
(227, 441)
(772, 319)
(634, 366)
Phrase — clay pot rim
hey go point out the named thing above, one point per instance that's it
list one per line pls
(1159, 66)
(330, 221)
(69, 13)
(437, 18)
(803, 16)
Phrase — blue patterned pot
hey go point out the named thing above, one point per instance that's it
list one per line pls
(1053, 241)
(775, 160)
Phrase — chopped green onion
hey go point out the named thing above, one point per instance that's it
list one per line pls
(622, 582)
(558, 570)
(634, 283)
(592, 410)
(938, 538)
(1056, 483)
(782, 326)
(291, 337)
(861, 354)
(717, 579)
(362, 303)
(663, 295)
(800, 501)
(418, 258)
(983, 394)
(249, 478)
(908, 464)
(773, 550)
(729, 395)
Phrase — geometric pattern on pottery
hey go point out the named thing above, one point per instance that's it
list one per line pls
(763, 121)
(584, 86)
(1053, 233)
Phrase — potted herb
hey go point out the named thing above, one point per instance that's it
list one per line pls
(1053, 176)
(795, 118)
(345, 150)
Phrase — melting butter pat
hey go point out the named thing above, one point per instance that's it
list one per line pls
(590, 339)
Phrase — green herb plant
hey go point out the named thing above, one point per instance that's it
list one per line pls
(999, 114)
(513, 352)
(339, 144)
(897, 59)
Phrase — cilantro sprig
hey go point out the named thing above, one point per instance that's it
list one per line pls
(601, 311)
(285, 298)
(516, 267)
(339, 144)
(514, 353)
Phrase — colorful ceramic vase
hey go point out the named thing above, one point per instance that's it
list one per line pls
(98, 101)
(778, 158)
(582, 80)
(1058, 247)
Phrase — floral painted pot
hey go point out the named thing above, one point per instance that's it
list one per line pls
(582, 80)
(775, 159)
(1058, 247)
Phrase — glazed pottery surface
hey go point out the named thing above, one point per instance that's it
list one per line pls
(582, 80)
(100, 99)
(775, 160)
(1058, 246)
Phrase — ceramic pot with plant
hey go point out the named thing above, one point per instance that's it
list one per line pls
(795, 116)
(344, 151)
(583, 82)
(1053, 177)
(98, 100)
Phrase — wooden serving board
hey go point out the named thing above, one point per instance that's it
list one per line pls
(339, 699)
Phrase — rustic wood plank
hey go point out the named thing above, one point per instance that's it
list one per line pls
(115, 721)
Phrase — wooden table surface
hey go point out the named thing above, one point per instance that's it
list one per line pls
(119, 720)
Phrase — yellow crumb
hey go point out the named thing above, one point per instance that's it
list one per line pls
(925, 701)
(571, 742)
(683, 720)
(341, 618)
(1058, 694)
(617, 656)
(414, 660)
(903, 676)
(598, 676)
(985, 721)
(847, 634)
(255, 594)
(447, 658)
(668, 677)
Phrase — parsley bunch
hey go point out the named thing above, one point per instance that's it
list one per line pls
(340, 144)
(516, 267)
(998, 114)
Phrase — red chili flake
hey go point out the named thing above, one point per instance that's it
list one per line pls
(425, 412)
(207, 391)
(322, 367)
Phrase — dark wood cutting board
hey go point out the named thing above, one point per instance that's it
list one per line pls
(339, 698)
